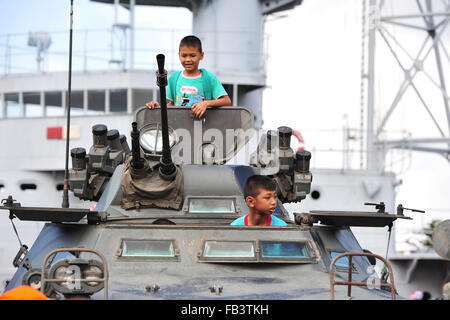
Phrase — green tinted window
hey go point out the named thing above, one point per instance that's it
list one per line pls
(148, 248)
(229, 249)
(209, 205)
(284, 250)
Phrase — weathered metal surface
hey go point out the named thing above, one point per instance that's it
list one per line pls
(128, 279)
(441, 239)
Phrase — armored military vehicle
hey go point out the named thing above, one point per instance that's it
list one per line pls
(161, 226)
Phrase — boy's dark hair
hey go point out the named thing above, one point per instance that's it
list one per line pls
(256, 182)
(192, 41)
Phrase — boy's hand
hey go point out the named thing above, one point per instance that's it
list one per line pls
(199, 108)
(152, 104)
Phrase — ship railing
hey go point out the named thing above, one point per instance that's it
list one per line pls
(112, 48)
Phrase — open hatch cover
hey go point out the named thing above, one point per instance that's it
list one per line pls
(53, 214)
(348, 218)
(221, 133)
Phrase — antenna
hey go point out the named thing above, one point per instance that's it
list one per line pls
(65, 202)
(42, 41)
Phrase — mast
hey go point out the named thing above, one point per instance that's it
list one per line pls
(416, 65)
(132, 15)
(370, 160)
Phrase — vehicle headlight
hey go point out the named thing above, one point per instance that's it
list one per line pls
(77, 276)
(92, 273)
(64, 273)
(33, 278)
(151, 139)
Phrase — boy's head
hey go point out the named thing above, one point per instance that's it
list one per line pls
(190, 53)
(191, 41)
(260, 193)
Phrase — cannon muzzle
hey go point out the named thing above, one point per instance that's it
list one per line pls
(167, 169)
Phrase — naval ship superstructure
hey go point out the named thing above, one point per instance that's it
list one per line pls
(32, 112)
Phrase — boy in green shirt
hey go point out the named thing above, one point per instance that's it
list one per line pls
(194, 87)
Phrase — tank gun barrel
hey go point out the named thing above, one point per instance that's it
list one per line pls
(167, 169)
(137, 162)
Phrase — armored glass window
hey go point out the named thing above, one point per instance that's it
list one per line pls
(342, 262)
(211, 205)
(148, 249)
(229, 249)
(284, 250)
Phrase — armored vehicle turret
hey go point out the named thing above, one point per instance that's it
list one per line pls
(161, 229)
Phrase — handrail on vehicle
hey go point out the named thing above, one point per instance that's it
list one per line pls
(349, 283)
(105, 268)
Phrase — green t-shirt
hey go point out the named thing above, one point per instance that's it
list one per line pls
(189, 90)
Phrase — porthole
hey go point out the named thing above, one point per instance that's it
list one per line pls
(60, 187)
(28, 186)
(315, 195)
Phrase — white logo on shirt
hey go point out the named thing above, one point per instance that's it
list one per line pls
(189, 90)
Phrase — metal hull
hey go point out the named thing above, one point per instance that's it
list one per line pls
(189, 278)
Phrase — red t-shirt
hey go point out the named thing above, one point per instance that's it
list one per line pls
(269, 220)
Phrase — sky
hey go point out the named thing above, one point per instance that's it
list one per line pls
(313, 74)
(98, 18)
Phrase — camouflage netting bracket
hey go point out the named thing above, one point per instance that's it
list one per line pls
(151, 191)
